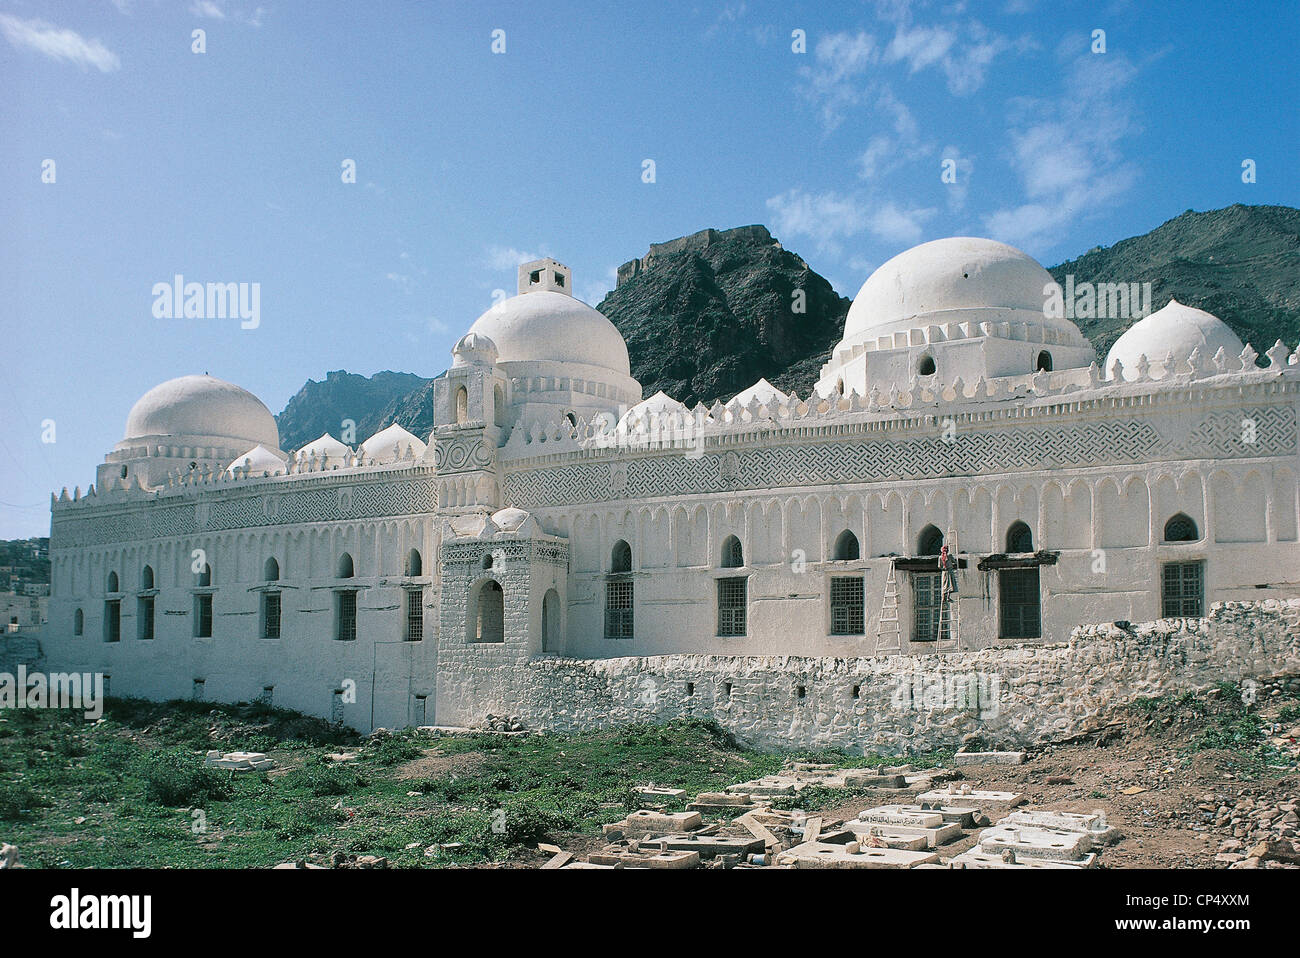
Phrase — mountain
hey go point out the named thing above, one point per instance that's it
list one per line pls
(1241, 263)
(707, 315)
(323, 406)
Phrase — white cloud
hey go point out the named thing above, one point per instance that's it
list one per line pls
(896, 225)
(58, 44)
(965, 169)
(839, 61)
(1066, 151)
(207, 9)
(826, 218)
(850, 68)
(509, 258)
(920, 47)
(216, 10)
(437, 326)
(885, 152)
(728, 14)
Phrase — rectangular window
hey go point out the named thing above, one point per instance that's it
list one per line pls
(848, 606)
(927, 596)
(144, 612)
(113, 620)
(347, 616)
(414, 615)
(1021, 615)
(203, 615)
(1182, 590)
(618, 609)
(270, 615)
(732, 600)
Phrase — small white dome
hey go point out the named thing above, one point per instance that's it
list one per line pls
(474, 349)
(509, 519)
(659, 404)
(1174, 328)
(952, 280)
(202, 406)
(763, 391)
(327, 450)
(554, 327)
(258, 461)
(391, 444)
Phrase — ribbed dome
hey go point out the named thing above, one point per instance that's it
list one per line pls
(1174, 328)
(553, 327)
(935, 282)
(474, 348)
(202, 406)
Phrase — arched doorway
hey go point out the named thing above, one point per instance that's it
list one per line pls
(552, 636)
(487, 619)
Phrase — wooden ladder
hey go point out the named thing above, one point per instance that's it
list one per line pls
(889, 636)
(949, 631)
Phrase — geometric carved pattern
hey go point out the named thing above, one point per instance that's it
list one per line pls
(1245, 432)
(226, 509)
(510, 551)
(854, 459)
(460, 454)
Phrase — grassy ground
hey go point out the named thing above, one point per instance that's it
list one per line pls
(132, 790)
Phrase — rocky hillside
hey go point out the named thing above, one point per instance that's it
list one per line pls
(1241, 263)
(323, 406)
(709, 314)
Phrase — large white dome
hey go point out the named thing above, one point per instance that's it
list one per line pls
(547, 326)
(1174, 328)
(944, 281)
(202, 406)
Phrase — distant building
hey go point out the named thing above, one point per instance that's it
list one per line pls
(23, 613)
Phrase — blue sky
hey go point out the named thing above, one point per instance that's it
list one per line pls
(225, 166)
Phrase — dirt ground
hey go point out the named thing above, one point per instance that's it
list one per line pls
(1175, 803)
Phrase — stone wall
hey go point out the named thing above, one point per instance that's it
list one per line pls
(19, 650)
(703, 239)
(1009, 696)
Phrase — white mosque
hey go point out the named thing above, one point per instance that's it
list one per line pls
(554, 512)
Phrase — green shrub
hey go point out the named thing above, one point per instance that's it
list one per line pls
(17, 799)
(321, 779)
(175, 778)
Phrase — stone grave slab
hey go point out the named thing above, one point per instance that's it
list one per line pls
(1093, 825)
(942, 834)
(823, 855)
(646, 820)
(1030, 841)
(990, 758)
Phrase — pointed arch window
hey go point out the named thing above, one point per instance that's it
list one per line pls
(846, 547)
(1181, 528)
(619, 593)
(1020, 538)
